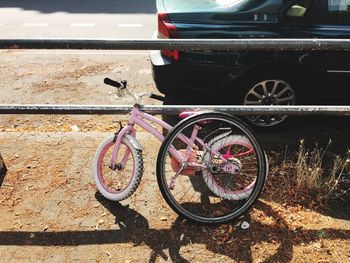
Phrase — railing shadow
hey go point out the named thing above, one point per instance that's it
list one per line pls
(134, 228)
(88, 6)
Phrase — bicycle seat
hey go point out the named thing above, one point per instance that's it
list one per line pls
(185, 114)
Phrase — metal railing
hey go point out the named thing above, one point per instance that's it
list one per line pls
(159, 109)
(180, 44)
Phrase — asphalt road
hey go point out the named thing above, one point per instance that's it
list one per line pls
(122, 19)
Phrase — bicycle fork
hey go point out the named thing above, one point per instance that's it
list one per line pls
(118, 140)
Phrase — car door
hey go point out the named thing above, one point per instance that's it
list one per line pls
(333, 66)
(267, 19)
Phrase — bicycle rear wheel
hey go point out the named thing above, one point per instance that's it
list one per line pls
(223, 175)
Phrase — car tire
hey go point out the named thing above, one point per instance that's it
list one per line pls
(273, 87)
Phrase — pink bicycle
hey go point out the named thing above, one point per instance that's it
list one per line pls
(210, 166)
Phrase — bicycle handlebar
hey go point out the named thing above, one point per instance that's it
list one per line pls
(157, 97)
(122, 89)
(112, 83)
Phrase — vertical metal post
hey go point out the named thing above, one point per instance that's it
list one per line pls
(3, 168)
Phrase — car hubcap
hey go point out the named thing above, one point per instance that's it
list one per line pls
(269, 92)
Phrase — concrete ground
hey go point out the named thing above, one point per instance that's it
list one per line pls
(50, 210)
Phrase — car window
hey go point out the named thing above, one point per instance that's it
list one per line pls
(239, 5)
(339, 11)
(298, 9)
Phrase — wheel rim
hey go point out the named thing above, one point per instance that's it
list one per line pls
(235, 146)
(269, 92)
(190, 195)
(115, 181)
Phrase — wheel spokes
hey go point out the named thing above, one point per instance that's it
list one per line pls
(269, 92)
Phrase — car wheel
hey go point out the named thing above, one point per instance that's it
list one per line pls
(269, 90)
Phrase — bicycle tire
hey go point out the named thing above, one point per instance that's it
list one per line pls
(211, 209)
(112, 188)
(213, 185)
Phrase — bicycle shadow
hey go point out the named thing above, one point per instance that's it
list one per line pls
(183, 233)
(134, 228)
(241, 248)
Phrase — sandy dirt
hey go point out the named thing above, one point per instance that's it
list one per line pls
(50, 210)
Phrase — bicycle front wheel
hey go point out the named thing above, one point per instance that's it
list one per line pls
(120, 180)
(221, 171)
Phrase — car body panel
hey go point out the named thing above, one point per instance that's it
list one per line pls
(214, 70)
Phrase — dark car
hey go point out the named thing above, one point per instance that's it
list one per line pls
(253, 77)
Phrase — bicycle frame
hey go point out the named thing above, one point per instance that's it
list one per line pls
(138, 117)
(207, 161)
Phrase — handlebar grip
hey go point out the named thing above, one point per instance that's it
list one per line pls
(111, 82)
(157, 97)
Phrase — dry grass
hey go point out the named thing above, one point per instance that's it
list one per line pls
(316, 172)
(336, 183)
(308, 169)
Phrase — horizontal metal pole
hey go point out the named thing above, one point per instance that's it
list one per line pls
(181, 44)
(123, 109)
